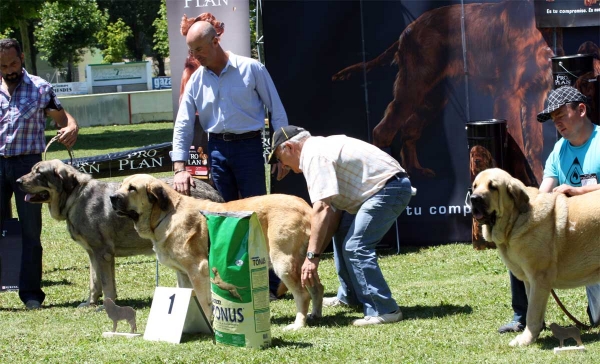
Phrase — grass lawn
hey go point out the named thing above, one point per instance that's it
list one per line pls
(453, 299)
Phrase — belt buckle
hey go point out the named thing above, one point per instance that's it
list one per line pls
(228, 137)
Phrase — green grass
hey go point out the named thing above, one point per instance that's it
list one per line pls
(453, 299)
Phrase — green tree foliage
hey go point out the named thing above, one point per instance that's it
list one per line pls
(113, 41)
(17, 15)
(161, 35)
(66, 30)
(139, 15)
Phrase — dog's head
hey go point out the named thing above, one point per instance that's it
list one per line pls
(51, 182)
(480, 159)
(497, 195)
(138, 196)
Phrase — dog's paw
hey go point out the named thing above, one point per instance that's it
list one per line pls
(84, 304)
(523, 339)
(293, 327)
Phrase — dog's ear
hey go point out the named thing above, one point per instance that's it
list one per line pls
(68, 180)
(158, 195)
(517, 192)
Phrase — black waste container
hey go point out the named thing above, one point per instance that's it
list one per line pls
(487, 140)
(578, 71)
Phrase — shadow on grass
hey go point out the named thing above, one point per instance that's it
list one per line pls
(124, 139)
(549, 342)
(410, 313)
(61, 282)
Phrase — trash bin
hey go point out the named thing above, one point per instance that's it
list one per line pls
(487, 140)
(578, 71)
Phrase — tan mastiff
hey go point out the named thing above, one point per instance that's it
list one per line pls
(180, 235)
(547, 240)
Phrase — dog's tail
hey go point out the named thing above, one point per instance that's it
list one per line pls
(384, 59)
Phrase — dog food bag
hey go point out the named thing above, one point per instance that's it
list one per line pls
(238, 268)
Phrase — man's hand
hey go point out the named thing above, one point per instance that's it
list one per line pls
(282, 170)
(310, 273)
(68, 135)
(182, 182)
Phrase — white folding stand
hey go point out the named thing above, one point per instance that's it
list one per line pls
(173, 312)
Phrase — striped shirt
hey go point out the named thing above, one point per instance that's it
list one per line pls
(348, 170)
(23, 118)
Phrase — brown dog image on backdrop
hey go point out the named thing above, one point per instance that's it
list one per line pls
(84, 203)
(547, 240)
(118, 313)
(507, 59)
(479, 159)
(589, 83)
(179, 233)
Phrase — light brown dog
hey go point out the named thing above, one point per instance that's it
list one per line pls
(180, 235)
(547, 240)
(118, 313)
(562, 333)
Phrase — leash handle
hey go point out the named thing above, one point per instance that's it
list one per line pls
(52, 141)
(579, 324)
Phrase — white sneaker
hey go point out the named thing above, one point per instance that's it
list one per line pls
(332, 302)
(388, 318)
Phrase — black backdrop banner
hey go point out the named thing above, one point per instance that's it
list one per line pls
(407, 76)
(567, 13)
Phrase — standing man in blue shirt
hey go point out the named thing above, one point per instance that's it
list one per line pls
(229, 93)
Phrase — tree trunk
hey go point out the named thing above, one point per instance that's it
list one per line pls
(26, 46)
(160, 64)
(69, 75)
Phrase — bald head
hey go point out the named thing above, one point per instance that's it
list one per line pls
(200, 30)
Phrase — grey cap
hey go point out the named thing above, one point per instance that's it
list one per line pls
(559, 97)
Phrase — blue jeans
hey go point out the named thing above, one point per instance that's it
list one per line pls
(30, 217)
(519, 301)
(354, 243)
(237, 167)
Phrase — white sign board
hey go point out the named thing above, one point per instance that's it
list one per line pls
(173, 312)
(123, 73)
(70, 88)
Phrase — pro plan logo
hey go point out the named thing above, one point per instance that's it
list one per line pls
(574, 174)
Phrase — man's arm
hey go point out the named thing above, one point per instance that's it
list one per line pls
(548, 184)
(324, 223)
(68, 126)
(268, 94)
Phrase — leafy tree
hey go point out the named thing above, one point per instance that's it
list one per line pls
(139, 15)
(161, 36)
(113, 41)
(19, 15)
(66, 30)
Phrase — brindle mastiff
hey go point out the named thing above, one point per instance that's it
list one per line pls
(84, 203)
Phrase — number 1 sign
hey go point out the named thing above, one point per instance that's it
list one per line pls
(173, 312)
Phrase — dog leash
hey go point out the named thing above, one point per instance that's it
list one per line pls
(579, 324)
(52, 141)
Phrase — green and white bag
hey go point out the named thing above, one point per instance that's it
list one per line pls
(238, 267)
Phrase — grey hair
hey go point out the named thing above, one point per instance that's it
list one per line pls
(296, 139)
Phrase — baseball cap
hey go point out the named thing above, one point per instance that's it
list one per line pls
(558, 98)
(281, 135)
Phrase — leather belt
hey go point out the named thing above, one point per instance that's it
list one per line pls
(397, 176)
(229, 137)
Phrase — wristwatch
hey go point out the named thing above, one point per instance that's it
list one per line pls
(311, 255)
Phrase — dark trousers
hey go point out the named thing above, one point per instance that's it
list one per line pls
(519, 299)
(238, 170)
(30, 217)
